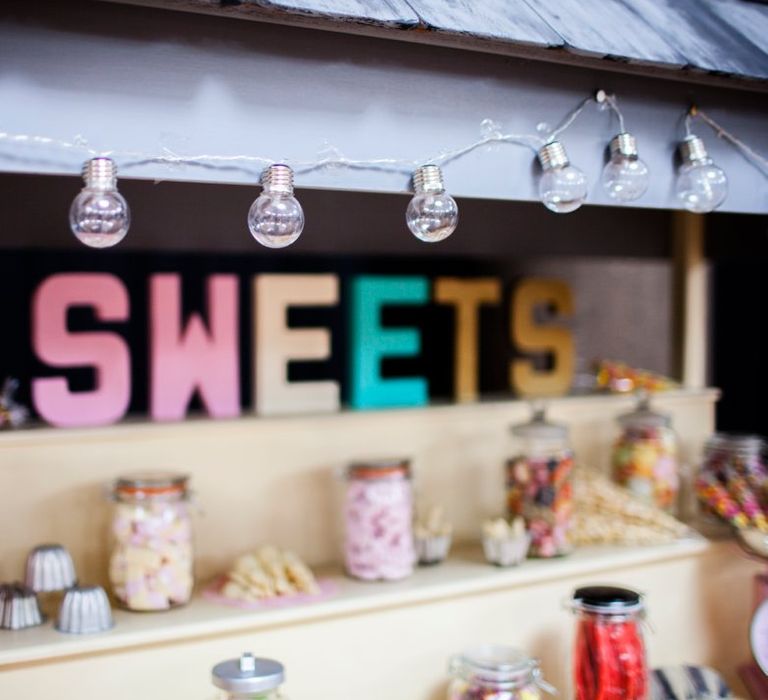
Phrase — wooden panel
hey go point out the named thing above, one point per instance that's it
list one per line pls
(272, 479)
(388, 12)
(707, 33)
(607, 28)
(699, 610)
(750, 20)
(496, 19)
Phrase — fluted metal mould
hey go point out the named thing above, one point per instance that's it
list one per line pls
(84, 610)
(50, 568)
(19, 607)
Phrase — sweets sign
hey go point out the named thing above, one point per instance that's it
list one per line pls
(284, 343)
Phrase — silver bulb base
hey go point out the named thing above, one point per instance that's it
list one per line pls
(428, 178)
(100, 174)
(278, 179)
(552, 155)
(692, 149)
(624, 144)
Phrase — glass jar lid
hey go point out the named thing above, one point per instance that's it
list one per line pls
(495, 665)
(539, 428)
(148, 484)
(607, 600)
(248, 674)
(739, 443)
(645, 417)
(380, 469)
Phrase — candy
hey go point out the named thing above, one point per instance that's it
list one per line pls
(269, 573)
(609, 662)
(539, 489)
(645, 462)
(505, 544)
(151, 563)
(609, 514)
(379, 537)
(432, 536)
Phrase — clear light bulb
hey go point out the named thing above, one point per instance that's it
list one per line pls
(432, 215)
(99, 215)
(276, 218)
(625, 176)
(701, 186)
(562, 187)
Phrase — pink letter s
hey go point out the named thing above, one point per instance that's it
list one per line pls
(56, 346)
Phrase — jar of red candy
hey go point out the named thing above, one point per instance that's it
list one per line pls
(645, 456)
(494, 672)
(609, 652)
(378, 520)
(539, 484)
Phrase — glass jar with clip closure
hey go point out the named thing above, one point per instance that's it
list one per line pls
(496, 672)
(151, 563)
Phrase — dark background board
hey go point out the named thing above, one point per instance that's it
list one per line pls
(738, 248)
(616, 260)
(21, 273)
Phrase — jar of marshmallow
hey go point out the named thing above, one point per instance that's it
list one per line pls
(378, 520)
(151, 563)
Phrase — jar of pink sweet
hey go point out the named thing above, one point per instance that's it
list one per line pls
(151, 562)
(378, 520)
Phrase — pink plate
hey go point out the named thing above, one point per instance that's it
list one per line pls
(213, 593)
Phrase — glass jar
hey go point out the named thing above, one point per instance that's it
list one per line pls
(494, 672)
(378, 520)
(539, 485)
(645, 456)
(150, 567)
(609, 652)
(731, 484)
(249, 678)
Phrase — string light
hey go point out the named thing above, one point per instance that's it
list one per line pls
(625, 177)
(562, 186)
(276, 218)
(701, 185)
(432, 215)
(100, 216)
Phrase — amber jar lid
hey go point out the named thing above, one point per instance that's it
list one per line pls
(380, 469)
(149, 484)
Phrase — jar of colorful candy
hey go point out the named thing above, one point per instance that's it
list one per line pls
(249, 678)
(731, 484)
(609, 651)
(645, 456)
(150, 567)
(493, 672)
(539, 484)
(378, 520)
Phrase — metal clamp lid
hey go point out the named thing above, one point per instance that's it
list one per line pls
(248, 674)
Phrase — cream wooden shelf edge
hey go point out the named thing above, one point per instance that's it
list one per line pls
(464, 574)
(144, 429)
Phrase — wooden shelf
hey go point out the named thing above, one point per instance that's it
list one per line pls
(145, 429)
(464, 574)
